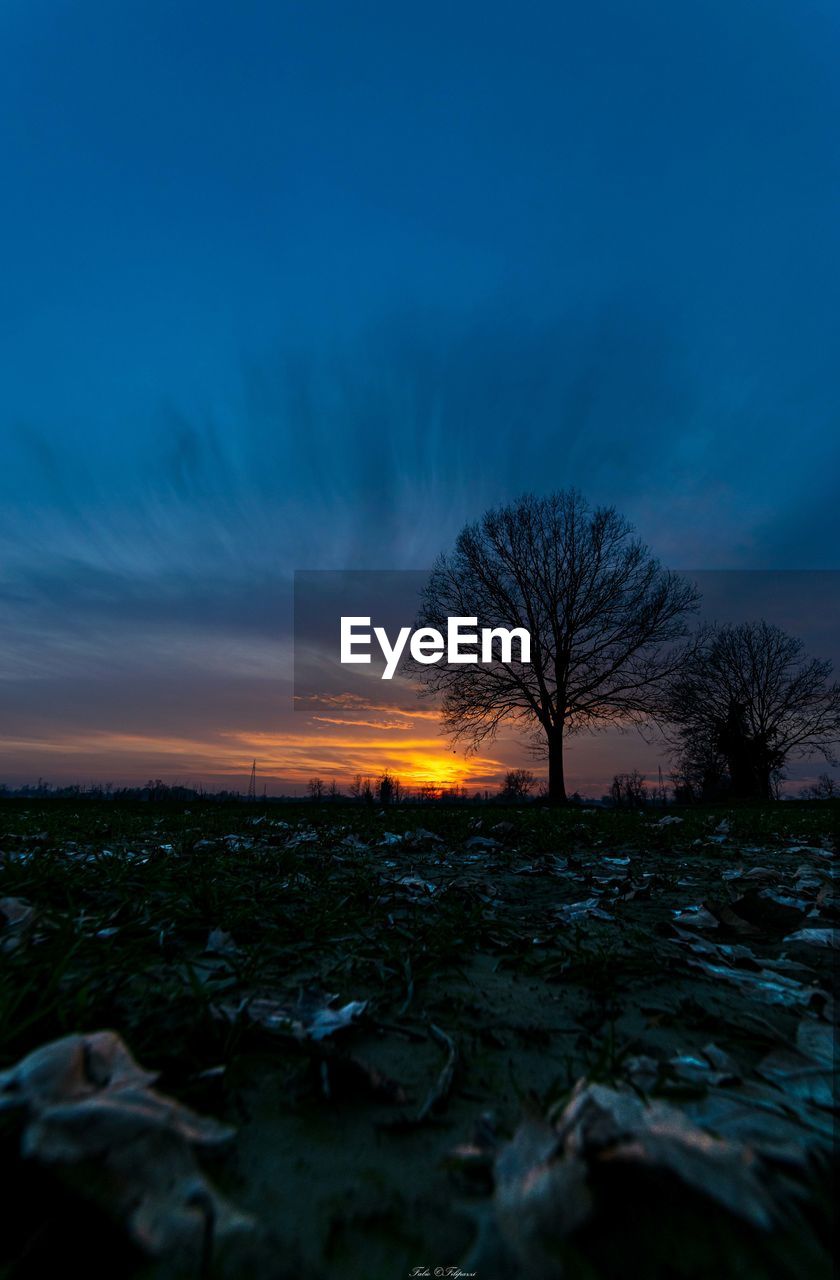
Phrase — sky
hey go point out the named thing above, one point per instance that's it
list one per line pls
(310, 285)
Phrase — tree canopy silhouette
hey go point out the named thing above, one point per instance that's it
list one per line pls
(602, 613)
(746, 700)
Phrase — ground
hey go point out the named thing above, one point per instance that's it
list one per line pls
(376, 1000)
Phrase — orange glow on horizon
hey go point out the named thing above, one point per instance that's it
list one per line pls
(325, 747)
(414, 760)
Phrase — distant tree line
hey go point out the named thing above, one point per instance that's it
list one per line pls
(518, 786)
(154, 790)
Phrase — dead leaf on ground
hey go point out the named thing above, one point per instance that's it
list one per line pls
(600, 1123)
(220, 943)
(16, 918)
(90, 1114)
(827, 938)
(311, 1017)
(549, 1177)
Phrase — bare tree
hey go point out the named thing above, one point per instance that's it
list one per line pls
(601, 611)
(315, 787)
(388, 789)
(700, 771)
(825, 788)
(629, 791)
(746, 701)
(361, 788)
(518, 785)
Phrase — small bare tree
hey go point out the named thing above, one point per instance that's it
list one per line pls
(825, 788)
(518, 785)
(601, 611)
(315, 787)
(388, 789)
(746, 701)
(361, 788)
(629, 791)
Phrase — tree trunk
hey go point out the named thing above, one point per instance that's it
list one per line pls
(556, 777)
(764, 780)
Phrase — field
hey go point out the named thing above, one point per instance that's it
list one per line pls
(518, 1042)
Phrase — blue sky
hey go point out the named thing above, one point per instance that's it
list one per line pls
(295, 285)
